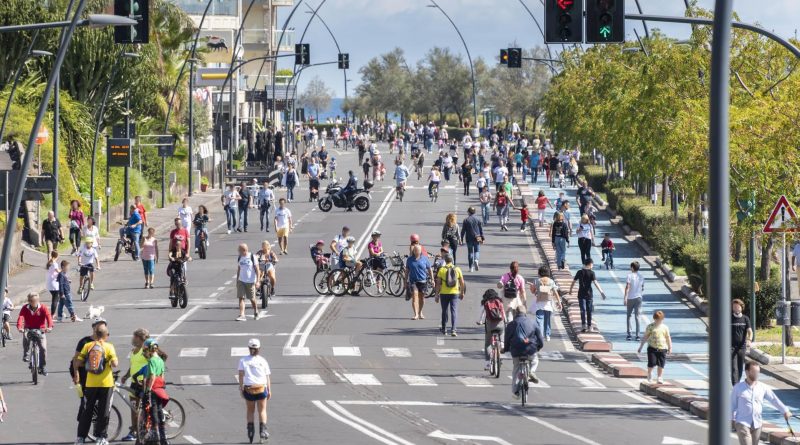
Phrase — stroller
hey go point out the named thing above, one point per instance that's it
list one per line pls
(313, 189)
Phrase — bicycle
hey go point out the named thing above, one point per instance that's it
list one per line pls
(395, 277)
(178, 285)
(174, 413)
(522, 377)
(265, 292)
(345, 280)
(321, 279)
(494, 355)
(608, 262)
(85, 283)
(34, 337)
(401, 190)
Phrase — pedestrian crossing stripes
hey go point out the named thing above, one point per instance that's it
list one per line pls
(196, 380)
(193, 352)
(397, 352)
(307, 380)
(447, 353)
(418, 380)
(474, 382)
(239, 352)
(346, 351)
(362, 379)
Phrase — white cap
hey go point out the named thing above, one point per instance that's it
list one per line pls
(254, 343)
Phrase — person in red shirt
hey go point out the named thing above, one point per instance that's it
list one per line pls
(180, 230)
(524, 216)
(35, 316)
(137, 201)
(541, 204)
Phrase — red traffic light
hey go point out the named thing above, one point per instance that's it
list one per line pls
(565, 5)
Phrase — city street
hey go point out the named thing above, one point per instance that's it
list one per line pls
(356, 368)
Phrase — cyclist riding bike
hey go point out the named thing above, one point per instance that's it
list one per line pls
(493, 317)
(133, 230)
(8, 306)
(154, 393)
(178, 256)
(434, 178)
(35, 316)
(401, 174)
(377, 258)
(523, 340)
(348, 259)
(87, 259)
(267, 260)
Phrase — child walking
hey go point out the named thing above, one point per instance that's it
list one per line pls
(65, 294)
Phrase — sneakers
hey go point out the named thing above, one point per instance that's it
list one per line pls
(583, 328)
(532, 377)
(229, 231)
(442, 330)
(628, 337)
(660, 380)
(257, 316)
(43, 371)
(101, 441)
(129, 438)
(80, 440)
(477, 267)
(547, 338)
(75, 318)
(637, 338)
(487, 365)
(516, 395)
(453, 333)
(241, 318)
(91, 286)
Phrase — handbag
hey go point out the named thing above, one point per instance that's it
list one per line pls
(255, 390)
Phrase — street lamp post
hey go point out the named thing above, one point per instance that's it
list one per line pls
(471, 67)
(191, 125)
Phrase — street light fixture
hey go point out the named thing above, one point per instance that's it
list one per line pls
(93, 21)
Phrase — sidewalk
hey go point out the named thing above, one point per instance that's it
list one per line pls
(32, 279)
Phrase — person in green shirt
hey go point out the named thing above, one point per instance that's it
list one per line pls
(154, 393)
(449, 293)
(137, 362)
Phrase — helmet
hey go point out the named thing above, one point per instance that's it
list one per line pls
(150, 343)
(351, 239)
(254, 343)
(414, 238)
(88, 239)
(333, 158)
(320, 242)
(99, 320)
(376, 233)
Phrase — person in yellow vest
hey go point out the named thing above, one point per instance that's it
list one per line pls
(137, 362)
(98, 357)
(450, 288)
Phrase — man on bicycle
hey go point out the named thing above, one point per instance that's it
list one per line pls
(35, 316)
(87, 259)
(523, 340)
(134, 229)
(401, 174)
(339, 243)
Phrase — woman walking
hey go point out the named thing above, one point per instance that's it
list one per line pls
(91, 230)
(466, 175)
(76, 221)
(541, 205)
(291, 182)
(513, 286)
(51, 282)
(585, 234)
(559, 235)
(149, 256)
(547, 300)
(485, 197)
(256, 389)
(501, 203)
(659, 345)
(451, 233)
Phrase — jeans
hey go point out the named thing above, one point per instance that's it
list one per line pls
(66, 301)
(75, 236)
(585, 246)
(485, 212)
(230, 217)
(587, 306)
(453, 249)
(516, 382)
(54, 301)
(737, 364)
(289, 193)
(26, 346)
(561, 251)
(97, 400)
(466, 187)
(543, 318)
(197, 236)
(634, 308)
(264, 216)
(502, 214)
(446, 173)
(473, 252)
(243, 217)
(135, 239)
(449, 302)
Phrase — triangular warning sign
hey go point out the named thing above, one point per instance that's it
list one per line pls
(781, 217)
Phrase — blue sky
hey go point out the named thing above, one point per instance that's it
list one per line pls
(366, 28)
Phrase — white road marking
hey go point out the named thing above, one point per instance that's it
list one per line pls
(202, 380)
(362, 379)
(339, 376)
(191, 439)
(694, 370)
(551, 426)
(327, 300)
(373, 427)
(418, 380)
(541, 384)
(397, 352)
(587, 383)
(307, 380)
(301, 322)
(221, 288)
(239, 352)
(179, 321)
(438, 434)
(551, 355)
(352, 424)
(693, 384)
(193, 352)
(212, 296)
(346, 351)
(474, 382)
(290, 351)
(228, 282)
(596, 373)
(439, 341)
(448, 353)
(674, 412)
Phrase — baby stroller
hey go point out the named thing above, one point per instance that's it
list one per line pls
(313, 189)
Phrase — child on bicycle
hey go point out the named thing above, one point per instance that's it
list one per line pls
(607, 247)
(318, 255)
(8, 306)
(154, 395)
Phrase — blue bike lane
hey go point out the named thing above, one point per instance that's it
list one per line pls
(688, 365)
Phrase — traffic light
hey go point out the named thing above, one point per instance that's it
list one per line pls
(515, 57)
(504, 56)
(138, 10)
(302, 54)
(344, 61)
(563, 21)
(605, 21)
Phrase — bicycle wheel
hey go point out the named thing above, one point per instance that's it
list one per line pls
(3, 337)
(34, 350)
(339, 282)
(183, 296)
(264, 293)
(496, 362)
(118, 250)
(321, 282)
(201, 249)
(394, 283)
(373, 283)
(429, 288)
(114, 425)
(524, 392)
(174, 419)
(87, 288)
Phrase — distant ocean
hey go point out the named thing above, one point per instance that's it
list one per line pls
(335, 109)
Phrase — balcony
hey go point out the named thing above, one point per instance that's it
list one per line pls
(282, 2)
(248, 82)
(218, 7)
(255, 37)
(287, 45)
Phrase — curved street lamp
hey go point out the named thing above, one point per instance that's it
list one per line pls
(339, 49)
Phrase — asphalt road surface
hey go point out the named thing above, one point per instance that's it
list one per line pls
(354, 370)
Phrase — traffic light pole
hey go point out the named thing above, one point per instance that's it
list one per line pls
(539, 26)
(338, 48)
(191, 125)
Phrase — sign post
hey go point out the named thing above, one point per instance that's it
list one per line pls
(783, 219)
(166, 148)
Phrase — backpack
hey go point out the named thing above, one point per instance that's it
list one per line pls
(510, 288)
(96, 358)
(501, 201)
(494, 310)
(451, 277)
(545, 291)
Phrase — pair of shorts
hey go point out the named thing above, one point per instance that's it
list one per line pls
(86, 269)
(255, 397)
(149, 267)
(245, 291)
(266, 266)
(656, 357)
(6, 317)
(283, 232)
(419, 285)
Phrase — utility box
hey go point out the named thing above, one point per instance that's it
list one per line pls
(783, 313)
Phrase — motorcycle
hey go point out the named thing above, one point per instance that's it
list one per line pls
(359, 198)
(124, 244)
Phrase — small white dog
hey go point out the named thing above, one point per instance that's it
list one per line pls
(94, 312)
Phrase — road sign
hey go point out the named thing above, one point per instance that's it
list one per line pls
(42, 136)
(166, 146)
(119, 152)
(782, 218)
(120, 131)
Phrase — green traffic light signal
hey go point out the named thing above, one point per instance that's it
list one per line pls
(605, 31)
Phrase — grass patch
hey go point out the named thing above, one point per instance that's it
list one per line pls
(775, 350)
(774, 334)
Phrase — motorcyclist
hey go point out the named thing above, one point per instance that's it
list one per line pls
(347, 191)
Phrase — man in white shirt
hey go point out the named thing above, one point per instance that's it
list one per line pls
(247, 273)
(500, 173)
(339, 243)
(265, 198)
(632, 297)
(747, 404)
(230, 201)
(283, 225)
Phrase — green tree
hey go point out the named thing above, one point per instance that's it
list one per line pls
(317, 96)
